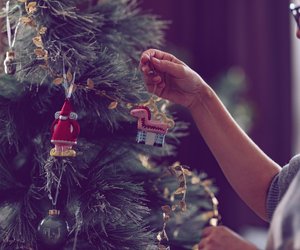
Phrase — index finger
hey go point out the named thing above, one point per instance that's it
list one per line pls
(161, 55)
(145, 58)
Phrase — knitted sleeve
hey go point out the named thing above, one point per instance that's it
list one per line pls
(280, 184)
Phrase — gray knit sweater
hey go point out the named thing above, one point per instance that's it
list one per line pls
(284, 233)
(280, 184)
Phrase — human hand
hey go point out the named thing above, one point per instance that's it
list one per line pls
(169, 78)
(222, 238)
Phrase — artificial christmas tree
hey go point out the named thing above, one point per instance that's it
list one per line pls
(96, 189)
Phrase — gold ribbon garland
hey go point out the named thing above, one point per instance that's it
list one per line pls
(181, 172)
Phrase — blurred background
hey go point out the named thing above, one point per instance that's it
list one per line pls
(246, 50)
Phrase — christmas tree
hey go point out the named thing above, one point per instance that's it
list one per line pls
(72, 175)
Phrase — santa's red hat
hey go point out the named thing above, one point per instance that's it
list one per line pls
(66, 108)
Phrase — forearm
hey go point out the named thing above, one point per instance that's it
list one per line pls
(246, 167)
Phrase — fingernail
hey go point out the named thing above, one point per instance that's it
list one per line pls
(156, 79)
(155, 60)
(146, 57)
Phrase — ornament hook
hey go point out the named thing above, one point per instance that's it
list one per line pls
(10, 66)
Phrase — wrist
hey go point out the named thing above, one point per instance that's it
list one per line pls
(202, 95)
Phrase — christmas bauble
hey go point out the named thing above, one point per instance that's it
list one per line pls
(53, 230)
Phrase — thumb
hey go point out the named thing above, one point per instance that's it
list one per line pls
(207, 231)
(171, 68)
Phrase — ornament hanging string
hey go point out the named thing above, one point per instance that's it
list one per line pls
(54, 202)
(151, 103)
(52, 178)
(69, 90)
(77, 228)
(10, 65)
(11, 42)
(153, 96)
(69, 87)
(153, 72)
(65, 81)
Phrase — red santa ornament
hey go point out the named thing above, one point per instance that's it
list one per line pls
(65, 130)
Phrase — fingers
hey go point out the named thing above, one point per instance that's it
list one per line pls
(156, 89)
(201, 245)
(207, 231)
(171, 68)
(205, 237)
(207, 244)
(148, 70)
(159, 55)
(152, 60)
(146, 66)
(154, 66)
(160, 70)
(154, 82)
(221, 237)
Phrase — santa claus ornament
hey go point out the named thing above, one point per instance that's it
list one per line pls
(65, 130)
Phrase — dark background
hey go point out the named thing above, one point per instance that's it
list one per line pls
(212, 36)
